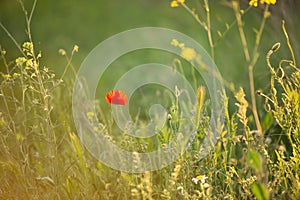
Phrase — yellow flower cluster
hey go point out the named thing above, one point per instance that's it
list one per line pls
(255, 2)
(186, 52)
(175, 3)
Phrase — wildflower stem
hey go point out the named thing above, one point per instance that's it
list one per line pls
(224, 33)
(229, 28)
(32, 11)
(69, 64)
(273, 72)
(208, 28)
(28, 29)
(200, 104)
(194, 77)
(13, 39)
(236, 8)
(44, 95)
(8, 111)
(253, 100)
(255, 56)
(11, 89)
(194, 15)
(288, 42)
(259, 34)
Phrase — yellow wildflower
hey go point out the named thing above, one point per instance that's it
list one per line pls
(6, 76)
(268, 1)
(175, 3)
(29, 63)
(255, 2)
(62, 52)
(16, 75)
(76, 48)
(3, 52)
(181, 45)
(20, 61)
(188, 53)
(90, 115)
(39, 55)
(175, 43)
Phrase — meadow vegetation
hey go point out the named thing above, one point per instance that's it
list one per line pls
(257, 154)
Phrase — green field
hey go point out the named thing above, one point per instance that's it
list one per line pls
(257, 151)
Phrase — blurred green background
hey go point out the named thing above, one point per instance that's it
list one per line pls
(62, 24)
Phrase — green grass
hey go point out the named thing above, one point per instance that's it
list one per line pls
(257, 154)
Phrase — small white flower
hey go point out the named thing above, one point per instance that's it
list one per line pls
(195, 180)
(201, 178)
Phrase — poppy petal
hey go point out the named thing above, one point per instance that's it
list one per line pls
(116, 97)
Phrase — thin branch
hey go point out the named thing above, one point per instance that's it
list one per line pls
(236, 8)
(208, 28)
(13, 39)
(32, 11)
(288, 42)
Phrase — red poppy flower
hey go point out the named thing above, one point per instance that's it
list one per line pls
(117, 97)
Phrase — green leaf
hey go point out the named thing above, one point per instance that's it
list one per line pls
(268, 121)
(260, 191)
(254, 160)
